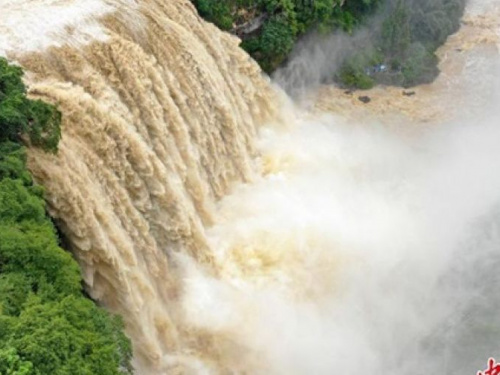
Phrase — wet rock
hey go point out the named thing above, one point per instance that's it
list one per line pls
(409, 93)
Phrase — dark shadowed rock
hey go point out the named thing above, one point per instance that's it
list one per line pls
(409, 93)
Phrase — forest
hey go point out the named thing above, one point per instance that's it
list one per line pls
(47, 325)
(400, 49)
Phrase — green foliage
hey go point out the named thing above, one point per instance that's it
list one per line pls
(407, 37)
(420, 65)
(216, 10)
(12, 162)
(66, 337)
(355, 78)
(12, 364)
(276, 42)
(47, 326)
(354, 72)
(411, 32)
(396, 33)
(284, 22)
(21, 116)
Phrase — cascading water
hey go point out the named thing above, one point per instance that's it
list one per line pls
(349, 247)
(160, 115)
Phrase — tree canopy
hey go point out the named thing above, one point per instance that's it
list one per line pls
(280, 22)
(400, 50)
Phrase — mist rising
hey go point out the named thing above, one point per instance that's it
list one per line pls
(239, 232)
(366, 247)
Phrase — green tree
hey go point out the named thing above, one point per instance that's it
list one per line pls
(284, 21)
(20, 116)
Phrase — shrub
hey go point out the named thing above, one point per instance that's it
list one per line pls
(21, 116)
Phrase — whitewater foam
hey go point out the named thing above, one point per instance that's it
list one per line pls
(318, 246)
(28, 26)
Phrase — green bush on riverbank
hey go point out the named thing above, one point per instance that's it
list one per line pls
(402, 49)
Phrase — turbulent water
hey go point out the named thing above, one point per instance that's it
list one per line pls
(160, 118)
(238, 233)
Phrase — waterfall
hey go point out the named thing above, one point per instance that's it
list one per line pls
(160, 117)
(238, 233)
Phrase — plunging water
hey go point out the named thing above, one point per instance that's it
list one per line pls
(238, 233)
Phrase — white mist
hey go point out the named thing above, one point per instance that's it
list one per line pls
(361, 249)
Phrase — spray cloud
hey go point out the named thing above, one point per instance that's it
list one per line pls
(363, 249)
(359, 249)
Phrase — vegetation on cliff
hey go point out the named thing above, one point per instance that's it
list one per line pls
(400, 50)
(269, 28)
(47, 325)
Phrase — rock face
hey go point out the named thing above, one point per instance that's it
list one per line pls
(250, 27)
(364, 99)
